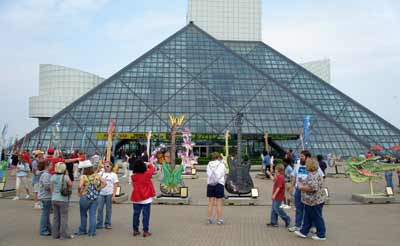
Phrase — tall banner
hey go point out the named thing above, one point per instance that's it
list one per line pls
(3, 140)
(110, 132)
(306, 130)
(83, 140)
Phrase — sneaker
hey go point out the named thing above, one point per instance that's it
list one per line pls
(315, 237)
(299, 234)
(15, 198)
(282, 205)
(220, 222)
(272, 225)
(27, 197)
(146, 234)
(287, 207)
(136, 233)
(108, 227)
(210, 221)
(313, 230)
(293, 228)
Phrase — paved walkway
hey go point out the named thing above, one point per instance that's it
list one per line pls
(348, 223)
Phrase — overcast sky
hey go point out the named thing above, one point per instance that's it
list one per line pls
(361, 38)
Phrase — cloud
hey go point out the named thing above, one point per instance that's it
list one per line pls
(40, 15)
(146, 25)
(358, 36)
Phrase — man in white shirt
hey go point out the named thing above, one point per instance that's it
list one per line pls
(107, 196)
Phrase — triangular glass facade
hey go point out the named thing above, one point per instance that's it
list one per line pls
(194, 74)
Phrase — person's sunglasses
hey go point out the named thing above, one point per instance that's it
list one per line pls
(107, 166)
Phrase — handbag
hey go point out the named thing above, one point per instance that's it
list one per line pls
(65, 189)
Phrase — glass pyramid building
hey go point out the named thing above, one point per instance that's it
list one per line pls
(211, 81)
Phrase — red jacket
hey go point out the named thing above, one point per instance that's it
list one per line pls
(142, 185)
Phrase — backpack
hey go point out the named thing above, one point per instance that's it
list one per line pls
(65, 189)
(92, 192)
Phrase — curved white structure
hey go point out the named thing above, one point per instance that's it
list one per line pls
(58, 87)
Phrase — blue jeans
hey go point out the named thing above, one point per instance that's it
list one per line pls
(277, 211)
(145, 210)
(107, 200)
(313, 215)
(45, 225)
(86, 205)
(389, 178)
(299, 208)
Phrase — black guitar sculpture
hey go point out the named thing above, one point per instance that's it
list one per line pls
(239, 181)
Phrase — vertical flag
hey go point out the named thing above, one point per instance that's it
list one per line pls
(306, 130)
(83, 140)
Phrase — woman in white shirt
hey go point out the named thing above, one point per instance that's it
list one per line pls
(216, 172)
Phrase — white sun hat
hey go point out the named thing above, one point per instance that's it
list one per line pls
(84, 164)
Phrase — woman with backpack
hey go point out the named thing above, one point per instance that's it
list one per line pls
(216, 172)
(89, 188)
(60, 201)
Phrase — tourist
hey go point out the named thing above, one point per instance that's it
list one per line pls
(289, 157)
(107, 196)
(278, 195)
(322, 164)
(288, 173)
(60, 202)
(22, 172)
(388, 174)
(125, 164)
(266, 163)
(55, 159)
(398, 176)
(45, 197)
(313, 197)
(131, 162)
(299, 171)
(216, 172)
(142, 195)
(95, 158)
(89, 188)
(38, 156)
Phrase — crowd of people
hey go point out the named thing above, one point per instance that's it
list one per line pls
(53, 176)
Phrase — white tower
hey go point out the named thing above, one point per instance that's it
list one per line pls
(227, 19)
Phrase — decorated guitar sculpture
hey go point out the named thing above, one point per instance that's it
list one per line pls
(239, 180)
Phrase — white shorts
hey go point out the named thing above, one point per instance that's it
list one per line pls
(22, 181)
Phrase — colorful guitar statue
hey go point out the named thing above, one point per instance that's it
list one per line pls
(172, 179)
(362, 170)
(187, 156)
(239, 180)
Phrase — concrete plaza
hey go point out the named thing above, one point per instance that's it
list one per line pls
(348, 223)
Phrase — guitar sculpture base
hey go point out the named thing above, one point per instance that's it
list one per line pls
(171, 200)
(7, 193)
(240, 201)
(190, 176)
(261, 175)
